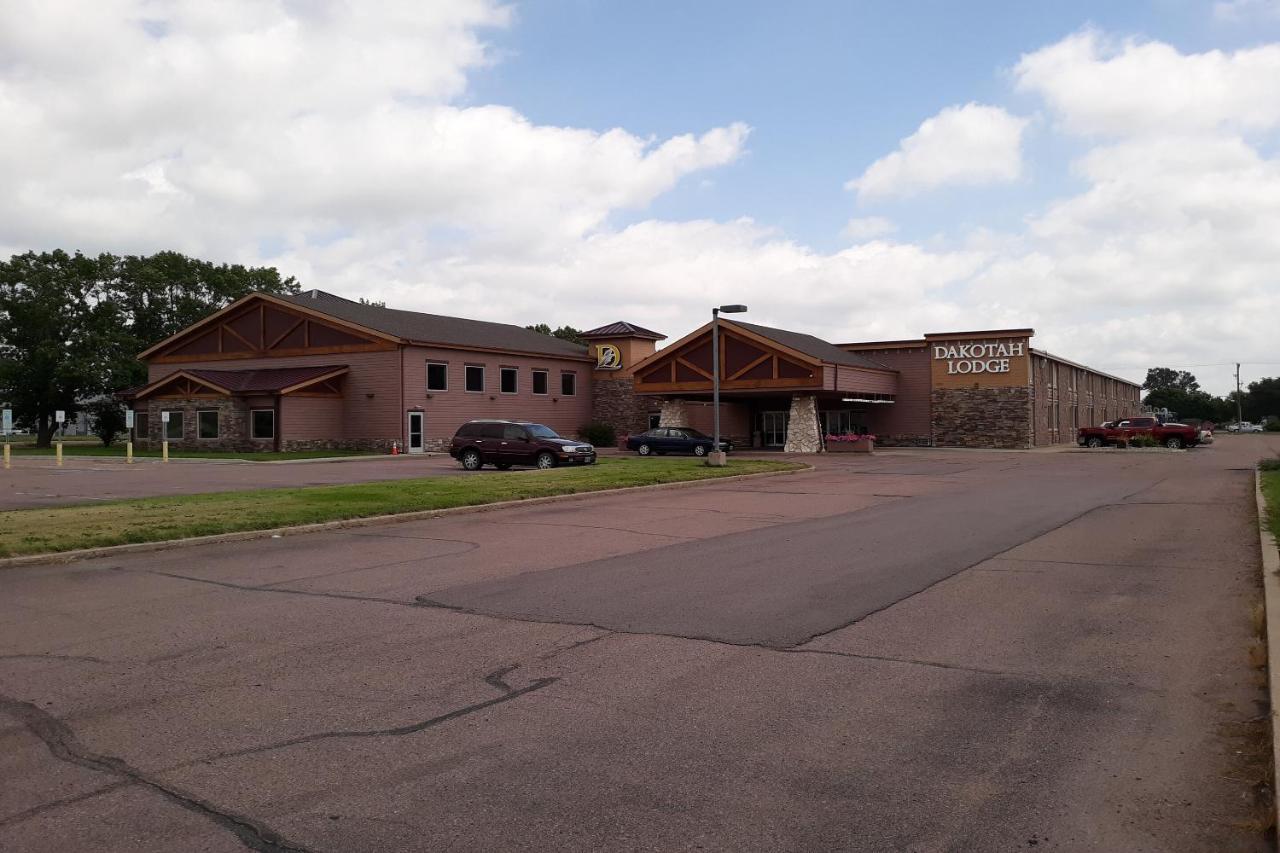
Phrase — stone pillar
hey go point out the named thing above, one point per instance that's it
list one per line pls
(802, 428)
(674, 413)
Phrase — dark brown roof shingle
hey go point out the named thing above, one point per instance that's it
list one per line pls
(811, 346)
(436, 328)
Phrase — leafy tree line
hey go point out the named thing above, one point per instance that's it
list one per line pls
(72, 325)
(1179, 391)
(564, 333)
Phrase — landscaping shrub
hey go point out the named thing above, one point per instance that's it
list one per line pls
(1272, 464)
(601, 435)
(1272, 425)
(1143, 441)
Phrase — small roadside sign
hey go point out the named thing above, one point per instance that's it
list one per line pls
(164, 417)
(60, 416)
(128, 419)
(7, 424)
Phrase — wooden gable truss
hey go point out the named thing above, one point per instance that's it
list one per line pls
(258, 327)
(182, 386)
(749, 362)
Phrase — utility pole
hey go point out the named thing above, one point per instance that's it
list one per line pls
(1239, 402)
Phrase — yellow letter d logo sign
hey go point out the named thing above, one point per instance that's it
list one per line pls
(608, 357)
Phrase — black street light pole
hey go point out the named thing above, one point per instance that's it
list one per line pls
(717, 457)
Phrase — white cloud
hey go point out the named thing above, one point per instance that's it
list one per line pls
(1236, 11)
(212, 127)
(969, 145)
(868, 228)
(1095, 86)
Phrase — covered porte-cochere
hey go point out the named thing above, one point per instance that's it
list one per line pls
(778, 389)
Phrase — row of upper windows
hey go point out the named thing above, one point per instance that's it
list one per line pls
(509, 379)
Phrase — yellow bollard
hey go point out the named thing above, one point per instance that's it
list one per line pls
(128, 452)
(6, 455)
(59, 454)
(164, 451)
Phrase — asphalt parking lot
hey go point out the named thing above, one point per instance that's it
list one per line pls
(922, 651)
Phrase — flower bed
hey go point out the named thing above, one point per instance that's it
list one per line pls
(850, 443)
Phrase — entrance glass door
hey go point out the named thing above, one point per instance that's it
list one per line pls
(415, 432)
(773, 428)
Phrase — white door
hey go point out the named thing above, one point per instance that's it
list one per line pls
(415, 432)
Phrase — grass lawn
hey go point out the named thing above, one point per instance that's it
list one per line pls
(1271, 491)
(36, 531)
(96, 449)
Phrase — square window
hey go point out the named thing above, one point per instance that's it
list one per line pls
(208, 424)
(437, 376)
(173, 429)
(475, 377)
(568, 384)
(540, 382)
(509, 375)
(263, 423)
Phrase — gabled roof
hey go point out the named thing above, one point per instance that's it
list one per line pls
(621, 329)
(810, 346)
(422, 328)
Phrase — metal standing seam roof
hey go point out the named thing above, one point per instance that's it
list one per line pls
(811, 346)
(436, 328)
(621, 329)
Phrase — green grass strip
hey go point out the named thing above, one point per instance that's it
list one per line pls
(40, 531)
(1271, 492)
(118, 451)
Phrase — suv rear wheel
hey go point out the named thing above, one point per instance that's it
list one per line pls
(1173, 442)
(471, 460)
(1093, 441)
(546, 459)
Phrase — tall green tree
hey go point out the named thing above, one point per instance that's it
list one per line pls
(162, 294)
(71, 326)
(1168, 379)
(564, 333)
(62, 334)
(1262, 399)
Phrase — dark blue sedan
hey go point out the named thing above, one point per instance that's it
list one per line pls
(674, 440)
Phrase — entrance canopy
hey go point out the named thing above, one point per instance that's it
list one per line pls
(762, 360)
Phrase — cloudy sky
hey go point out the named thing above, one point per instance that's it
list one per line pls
(1105, 172)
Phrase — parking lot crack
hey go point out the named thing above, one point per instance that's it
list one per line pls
(495, 679)
(64, 745)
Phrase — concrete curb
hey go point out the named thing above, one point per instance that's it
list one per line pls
(367, 521)
(1271, 593)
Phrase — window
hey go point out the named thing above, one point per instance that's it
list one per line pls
(515, 432)
(509, 375)
(207, 422)
(493, 430)
(437, 376)
(263, 423)
(540, 382)
(173, 429)
(568, 384)
(140, 424)
(475, 377)
(655, 418)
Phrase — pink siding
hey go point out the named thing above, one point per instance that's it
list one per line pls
(735, 420)
(311, 418)
(447, 410)
(371, 408)
(841, 378)
(910, 415)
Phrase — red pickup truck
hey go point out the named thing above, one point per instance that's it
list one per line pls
(1170, 435)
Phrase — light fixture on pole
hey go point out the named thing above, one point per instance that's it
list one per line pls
(717, 455)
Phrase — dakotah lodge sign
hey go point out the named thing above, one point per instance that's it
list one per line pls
(984, 359)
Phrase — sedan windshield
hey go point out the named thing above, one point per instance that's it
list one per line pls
(540, 431)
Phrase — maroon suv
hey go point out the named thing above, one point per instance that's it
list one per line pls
(506, 443)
